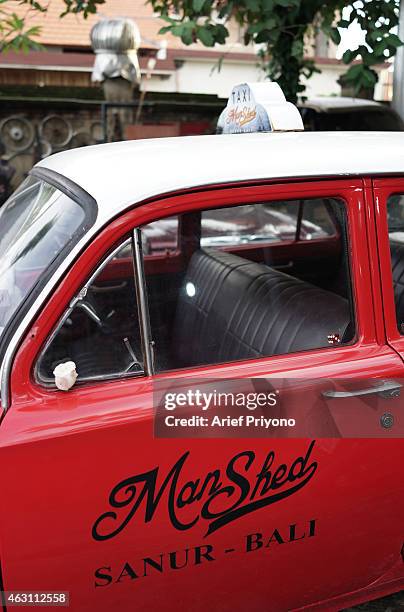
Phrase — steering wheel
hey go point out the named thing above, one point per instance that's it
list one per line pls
(90, 311)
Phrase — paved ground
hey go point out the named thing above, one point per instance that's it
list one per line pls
(392, 603)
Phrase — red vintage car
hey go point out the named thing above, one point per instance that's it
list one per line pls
(96, 502)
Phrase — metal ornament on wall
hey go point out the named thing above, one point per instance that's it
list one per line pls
(56, 130)
(80, 139)
(27, 141)
(17, 134)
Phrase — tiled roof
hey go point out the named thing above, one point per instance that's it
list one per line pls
(74, 30)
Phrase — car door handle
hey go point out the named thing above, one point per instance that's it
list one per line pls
(386, 388)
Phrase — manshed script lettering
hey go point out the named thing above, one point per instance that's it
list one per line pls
(218, 498)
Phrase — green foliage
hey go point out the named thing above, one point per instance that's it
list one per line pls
(378, 18)
(280, 28)
(86, 7)
(15, 36)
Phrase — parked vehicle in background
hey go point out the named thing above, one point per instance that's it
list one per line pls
(348, 114)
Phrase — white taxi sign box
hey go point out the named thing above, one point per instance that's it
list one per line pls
(258, 107)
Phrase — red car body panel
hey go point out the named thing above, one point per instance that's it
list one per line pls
(337, 540)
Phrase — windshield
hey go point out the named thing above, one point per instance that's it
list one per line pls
(37, 224)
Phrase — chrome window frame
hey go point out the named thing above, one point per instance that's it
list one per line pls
(12, 336)
(142, 302)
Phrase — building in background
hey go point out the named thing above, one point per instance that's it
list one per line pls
(186, 70)
(50, 102)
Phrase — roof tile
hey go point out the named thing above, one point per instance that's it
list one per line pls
(74, 30)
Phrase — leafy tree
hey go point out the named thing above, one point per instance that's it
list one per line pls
(13, 31)
(281, 27)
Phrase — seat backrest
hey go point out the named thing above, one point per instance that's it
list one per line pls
(231, 308)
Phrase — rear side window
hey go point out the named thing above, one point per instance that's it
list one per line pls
(254, 280)
(395, 215)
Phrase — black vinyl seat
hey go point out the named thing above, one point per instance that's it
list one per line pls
(231, 308)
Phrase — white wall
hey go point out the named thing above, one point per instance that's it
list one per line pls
(205, 77)
(324, 83)
(201, 76)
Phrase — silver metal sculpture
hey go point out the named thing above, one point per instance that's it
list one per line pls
(115, 43)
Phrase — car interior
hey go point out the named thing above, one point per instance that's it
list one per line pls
(222, 285)
(101, 334)
(255, 299)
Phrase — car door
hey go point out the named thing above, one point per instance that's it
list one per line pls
(97, 505)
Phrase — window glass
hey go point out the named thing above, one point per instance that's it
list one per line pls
(100, 334)
(160, 237)
(395, 215)
(266, 222)
(316, 220)
(249, 224)
(38, 223)
(244, 288)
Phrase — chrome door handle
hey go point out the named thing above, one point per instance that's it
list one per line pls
(387, 389)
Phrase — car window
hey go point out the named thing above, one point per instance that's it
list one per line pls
(395, 216)
(246, 289)
(160, 237)
(317, 221)
(38, 224)
(280, 221)
(267, 222)
(249, 224)
(100, 331)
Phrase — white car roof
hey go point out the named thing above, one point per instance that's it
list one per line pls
(119, 175)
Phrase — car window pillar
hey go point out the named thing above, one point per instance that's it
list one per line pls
(142, 304)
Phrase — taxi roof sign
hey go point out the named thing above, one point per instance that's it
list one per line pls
(258, 107)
